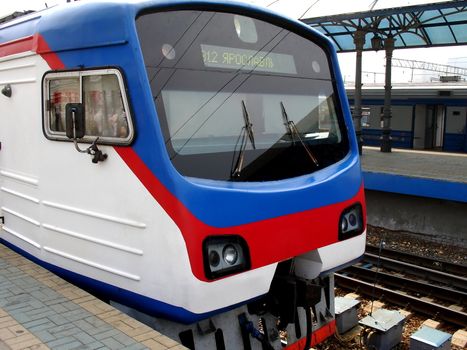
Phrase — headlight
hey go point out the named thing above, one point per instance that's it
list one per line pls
(225, 255)
(351, 222)
(214, 258)
(344, 224)
(230, 254)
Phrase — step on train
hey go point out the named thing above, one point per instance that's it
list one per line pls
(192, 162)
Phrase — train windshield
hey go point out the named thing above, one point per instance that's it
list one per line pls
(240, 99)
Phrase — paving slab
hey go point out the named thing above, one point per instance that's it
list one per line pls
(30, 320)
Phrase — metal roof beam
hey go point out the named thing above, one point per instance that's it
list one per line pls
(386, 12)
(431, 23)
(429, 66)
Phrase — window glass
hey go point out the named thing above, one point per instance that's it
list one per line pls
(456, 121)
(240, 99)
(105, 107)
(105, 113)
(62, 91)
(366, 115)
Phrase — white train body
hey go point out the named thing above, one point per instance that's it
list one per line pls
(128, 232)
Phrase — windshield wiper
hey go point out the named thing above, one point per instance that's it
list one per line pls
(293, 132)
(248, 125)
(245, 133)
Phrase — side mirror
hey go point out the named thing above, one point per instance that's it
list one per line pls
(75, 126)
(75, 129)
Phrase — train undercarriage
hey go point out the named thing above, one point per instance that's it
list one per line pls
(296, 313)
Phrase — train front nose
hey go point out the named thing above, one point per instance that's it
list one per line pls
(330, 258)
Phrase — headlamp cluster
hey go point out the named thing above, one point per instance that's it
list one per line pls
(225, 255)
(351, 222)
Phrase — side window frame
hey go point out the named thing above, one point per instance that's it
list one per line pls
(80, 74)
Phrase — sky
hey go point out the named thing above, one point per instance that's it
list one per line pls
(373, 63)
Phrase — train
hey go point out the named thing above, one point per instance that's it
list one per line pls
(194, 163)
(425, 116)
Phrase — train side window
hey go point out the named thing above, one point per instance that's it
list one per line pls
(61, 92)
(366, 115)
(101, 92)
(104, 109)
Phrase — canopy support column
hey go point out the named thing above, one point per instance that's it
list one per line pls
(386, 132)
(359, 40)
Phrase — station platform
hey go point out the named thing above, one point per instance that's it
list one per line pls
(436, 175)
(39, 310)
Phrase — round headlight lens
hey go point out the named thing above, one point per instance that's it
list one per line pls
(230, 254)
(214, 258)
(352, 219)
(344, 224)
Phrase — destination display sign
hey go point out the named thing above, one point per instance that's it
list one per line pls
(234, 58)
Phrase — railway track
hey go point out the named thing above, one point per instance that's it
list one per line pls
(423, 273)
(431, 292)
(434, 264)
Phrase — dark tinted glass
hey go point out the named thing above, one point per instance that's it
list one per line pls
(240, 99)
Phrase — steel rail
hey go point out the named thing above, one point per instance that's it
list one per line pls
(406, 284)
(423, 272)
(444, 266)
(430, 309)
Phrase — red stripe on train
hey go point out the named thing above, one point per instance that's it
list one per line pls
(17, 46)
(269, 241)
(317, 336)
(43, 49)
(33, 43)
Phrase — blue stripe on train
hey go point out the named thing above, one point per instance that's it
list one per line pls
(455, 142)
(12, 32)
(399, 138)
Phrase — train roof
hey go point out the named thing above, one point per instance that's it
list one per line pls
(458, 88)
(449, 94)
(94, 24)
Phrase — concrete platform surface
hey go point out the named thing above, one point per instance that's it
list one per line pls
(39, 310)
(436, 175)
(443, 166)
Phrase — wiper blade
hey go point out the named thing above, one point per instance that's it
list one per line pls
(293, 132)
(245, 134)
(248, 125)
(287, 123)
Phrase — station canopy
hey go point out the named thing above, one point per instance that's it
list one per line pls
(424, 25)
